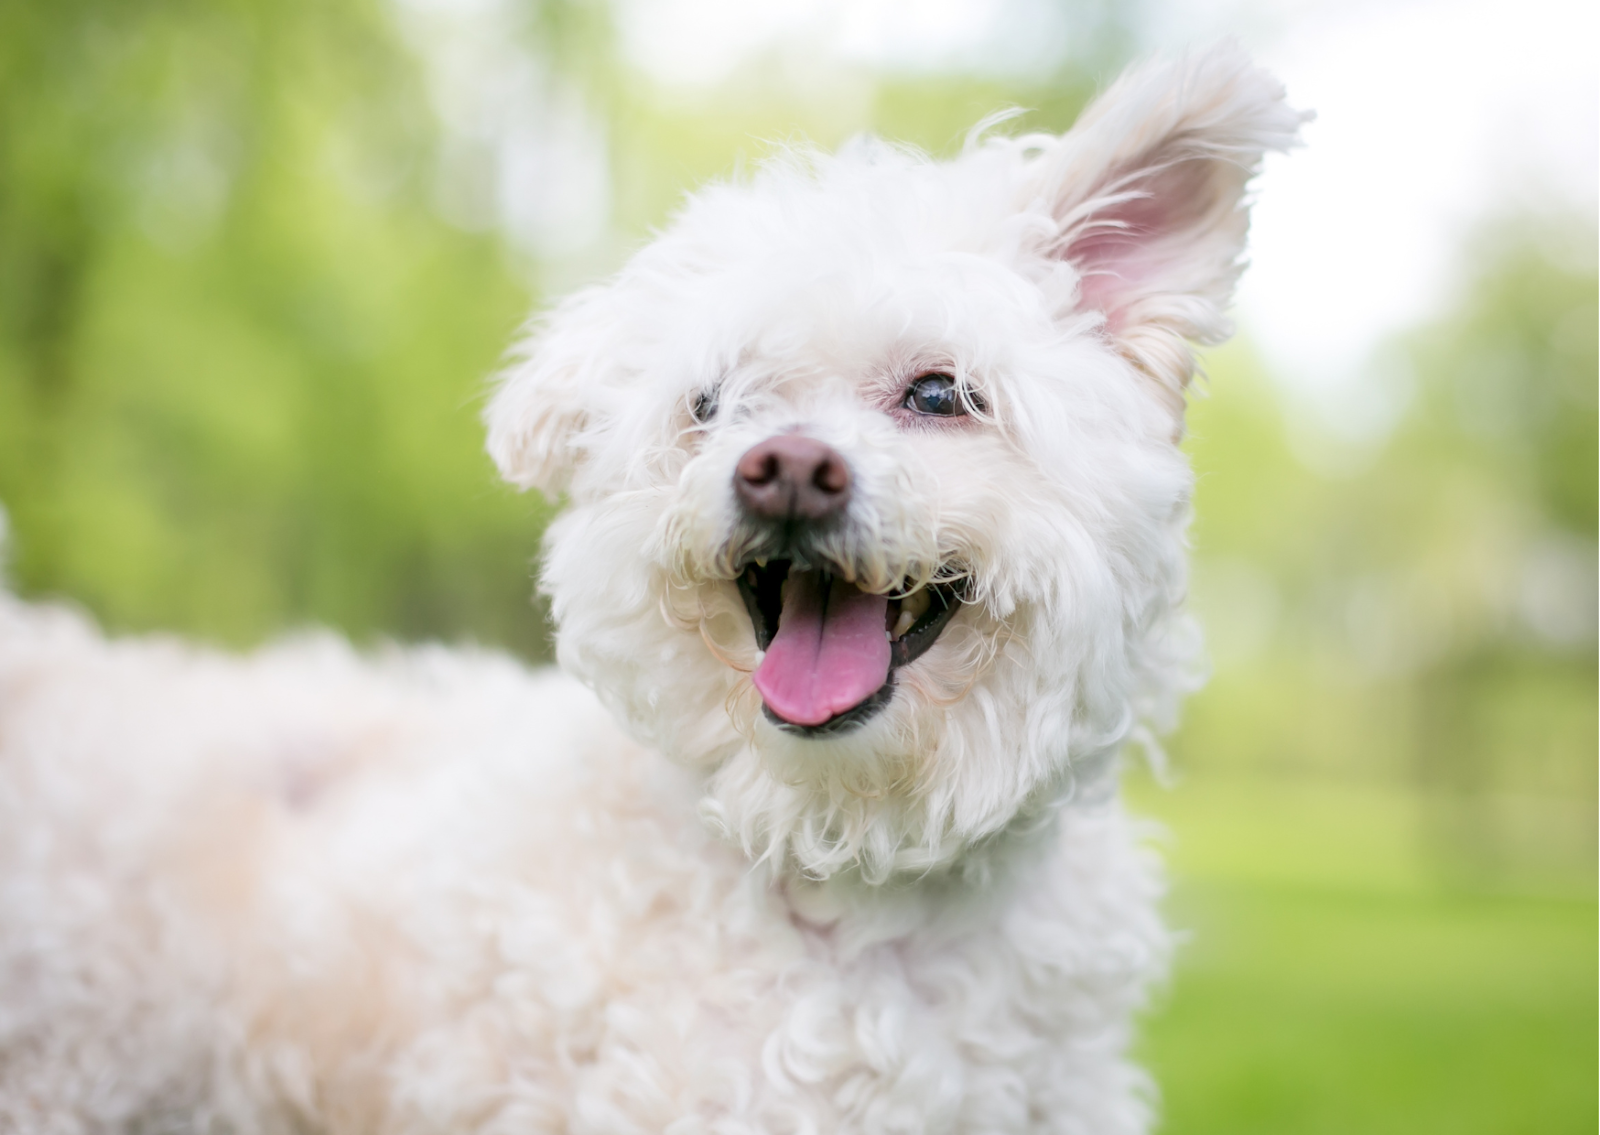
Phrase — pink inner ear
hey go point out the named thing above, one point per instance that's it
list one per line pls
(1115, 273)
(1126, 247)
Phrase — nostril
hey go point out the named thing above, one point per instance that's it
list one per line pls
(831, 476)
(757, 468)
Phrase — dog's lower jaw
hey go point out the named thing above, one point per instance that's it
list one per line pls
(840, 723)
(819, 635)
(818, 822)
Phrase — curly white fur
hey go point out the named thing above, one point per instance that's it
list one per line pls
(430, 892)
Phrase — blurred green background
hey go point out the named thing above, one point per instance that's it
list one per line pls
(258, 256)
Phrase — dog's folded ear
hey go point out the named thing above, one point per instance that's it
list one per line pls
(1148, 194)
(542, 399)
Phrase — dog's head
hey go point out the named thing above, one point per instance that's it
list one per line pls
(876, 508)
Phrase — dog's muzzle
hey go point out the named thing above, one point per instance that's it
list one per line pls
(831, 649)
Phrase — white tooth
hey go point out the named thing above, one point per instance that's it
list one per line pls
(903, 623)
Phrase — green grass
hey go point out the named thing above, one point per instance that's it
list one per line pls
(1352, 993)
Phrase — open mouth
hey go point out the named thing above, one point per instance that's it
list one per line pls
(831, 648)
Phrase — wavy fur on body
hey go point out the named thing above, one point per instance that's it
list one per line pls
(428, 891)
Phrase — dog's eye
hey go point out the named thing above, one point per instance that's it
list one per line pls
(705, 406)
(935, 394)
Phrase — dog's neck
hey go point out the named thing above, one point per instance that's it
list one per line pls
(972, 892)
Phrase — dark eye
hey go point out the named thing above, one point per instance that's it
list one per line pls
(935, 394)
(705, 406)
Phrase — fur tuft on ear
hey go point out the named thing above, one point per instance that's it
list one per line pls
(1148, 194)
(540, 404)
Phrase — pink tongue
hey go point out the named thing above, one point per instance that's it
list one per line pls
(831, 651)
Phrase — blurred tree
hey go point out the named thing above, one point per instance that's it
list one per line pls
(240, 354)
(1425, 615)
(1506, 424)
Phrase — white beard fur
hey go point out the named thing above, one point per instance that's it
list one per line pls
(430, 891)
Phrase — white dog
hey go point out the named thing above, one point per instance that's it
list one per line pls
(872, 564)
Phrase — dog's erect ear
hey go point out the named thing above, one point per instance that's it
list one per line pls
(543, 399)
(1148, 193)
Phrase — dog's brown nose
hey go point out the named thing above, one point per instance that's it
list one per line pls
(790, 477)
